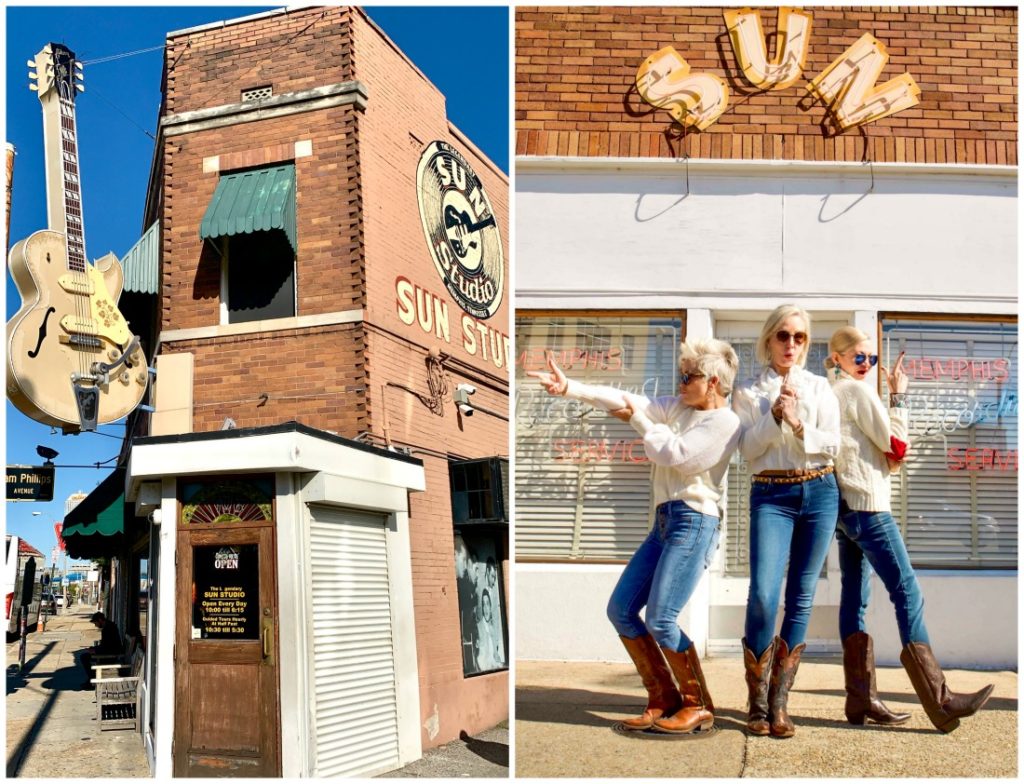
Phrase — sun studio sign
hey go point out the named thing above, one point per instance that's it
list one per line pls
(847, 87)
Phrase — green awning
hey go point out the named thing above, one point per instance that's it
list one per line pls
(141, 264)
(96, 526)
(256, 200)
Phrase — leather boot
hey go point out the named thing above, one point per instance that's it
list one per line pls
(861, 691)
(758, 672)
(945, 708)
(697, 710)
(783, 673)
(663, 698)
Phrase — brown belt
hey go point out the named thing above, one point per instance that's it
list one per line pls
(792, 476)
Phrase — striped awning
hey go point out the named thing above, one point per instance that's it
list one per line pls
(249, 201)
(96, 526)
(141, 264)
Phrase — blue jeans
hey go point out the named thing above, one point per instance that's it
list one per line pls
(874, 538)
(662, 575)
(794, 523)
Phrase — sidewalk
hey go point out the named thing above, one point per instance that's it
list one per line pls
(484, 756)
(565, 712)
(51, 720)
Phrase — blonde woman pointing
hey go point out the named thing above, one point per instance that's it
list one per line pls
(689, 439)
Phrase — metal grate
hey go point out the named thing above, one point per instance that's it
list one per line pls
(257, 93)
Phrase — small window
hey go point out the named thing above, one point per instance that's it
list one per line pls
(259, 277)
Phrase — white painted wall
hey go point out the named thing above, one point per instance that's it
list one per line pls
(971, 619)
(546, 631)
(626, 234)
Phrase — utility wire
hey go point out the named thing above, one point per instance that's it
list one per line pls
(111, 58)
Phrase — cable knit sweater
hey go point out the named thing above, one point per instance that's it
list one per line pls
(865, 432)
(690, 449)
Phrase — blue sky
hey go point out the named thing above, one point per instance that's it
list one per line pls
(465, 55)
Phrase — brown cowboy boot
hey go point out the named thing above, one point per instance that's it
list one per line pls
(757, 673)
(663, 697)
(783, 673)
(861, 691)
(697, 710)
(945, 708)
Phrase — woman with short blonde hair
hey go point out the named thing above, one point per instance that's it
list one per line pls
(790, 435)
(689, 439)
(873, 441)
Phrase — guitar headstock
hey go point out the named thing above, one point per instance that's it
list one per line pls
(56, 71)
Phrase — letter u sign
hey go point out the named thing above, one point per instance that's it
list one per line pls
(847, 87)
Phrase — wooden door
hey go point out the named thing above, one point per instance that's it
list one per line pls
(226, 675)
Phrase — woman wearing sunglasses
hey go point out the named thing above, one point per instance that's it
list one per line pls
(689, 439)
(874, 442)
(790, 436)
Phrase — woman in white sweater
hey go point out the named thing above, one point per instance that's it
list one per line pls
(790, 435)
(689, 439)
(874, 442)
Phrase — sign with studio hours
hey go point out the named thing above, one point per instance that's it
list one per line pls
(225, 592)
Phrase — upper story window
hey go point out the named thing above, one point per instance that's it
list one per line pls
(251, 217)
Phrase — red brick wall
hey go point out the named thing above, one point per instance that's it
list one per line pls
(576, 70)
(358, 230)
(404, 114)
(295, 51)
(314, 376)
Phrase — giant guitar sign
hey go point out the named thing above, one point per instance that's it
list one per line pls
(71, 359)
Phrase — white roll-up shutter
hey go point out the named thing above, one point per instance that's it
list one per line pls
(355, 711)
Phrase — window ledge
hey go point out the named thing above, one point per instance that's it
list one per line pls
(254, 327)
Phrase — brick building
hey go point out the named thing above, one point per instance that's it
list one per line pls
(663, 193)
(324, 287)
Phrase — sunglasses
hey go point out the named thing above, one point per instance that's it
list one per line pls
(686, 378)
(798, 337)
(871, 359)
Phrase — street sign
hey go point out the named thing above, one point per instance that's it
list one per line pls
(30, 483)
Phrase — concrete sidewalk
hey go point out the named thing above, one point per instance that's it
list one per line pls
(51, 721)
(565, 711)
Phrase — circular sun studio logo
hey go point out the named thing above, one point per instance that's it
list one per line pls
(460, 229)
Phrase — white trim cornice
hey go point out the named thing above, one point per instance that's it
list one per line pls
(535, 164)
(269, 325)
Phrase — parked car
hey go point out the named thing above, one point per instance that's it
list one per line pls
(59, 599)
(49, 603)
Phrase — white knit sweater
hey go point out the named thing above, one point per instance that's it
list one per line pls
(861, 466)
(690, 449)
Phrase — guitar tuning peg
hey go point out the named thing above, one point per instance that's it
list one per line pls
(33, 87)
(80, 88)
(79, 66)
(33, 75)
(31, 63)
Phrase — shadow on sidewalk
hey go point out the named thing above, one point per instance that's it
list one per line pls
(17, 678)
(994, 703)
(495, 753)
(557, 706)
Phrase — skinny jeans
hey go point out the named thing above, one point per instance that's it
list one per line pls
(791, 523)
(871, 540)
(663, 573)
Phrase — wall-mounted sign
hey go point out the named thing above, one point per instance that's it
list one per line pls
(792, 44)
(847, 87)
(225, 592)
(30, 483)
(460, 229)
(227, 501)
(417, 305)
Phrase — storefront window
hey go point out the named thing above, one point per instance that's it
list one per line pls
(956, 496)
(582, 478)
(481, 601)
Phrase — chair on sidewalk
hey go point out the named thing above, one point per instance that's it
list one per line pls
(117, 696)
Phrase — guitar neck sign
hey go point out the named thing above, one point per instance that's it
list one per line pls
(847, 87)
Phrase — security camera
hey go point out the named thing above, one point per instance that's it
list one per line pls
(461, 398)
